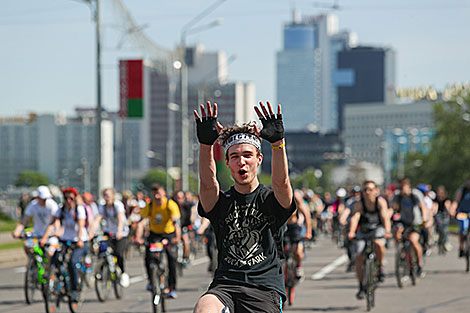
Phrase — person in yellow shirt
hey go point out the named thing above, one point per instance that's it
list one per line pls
(163, 217)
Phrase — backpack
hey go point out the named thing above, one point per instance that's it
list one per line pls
(416, 209)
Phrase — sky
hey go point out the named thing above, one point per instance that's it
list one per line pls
(47, 51)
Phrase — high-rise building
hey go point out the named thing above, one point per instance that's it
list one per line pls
(59, 147)
(373, 131)
(305, 67)
(365, 75)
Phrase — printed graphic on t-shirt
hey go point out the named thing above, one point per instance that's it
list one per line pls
(243, 242)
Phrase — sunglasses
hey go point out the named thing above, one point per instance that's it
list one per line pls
(368, 189)
(69, 198)
(154, 189)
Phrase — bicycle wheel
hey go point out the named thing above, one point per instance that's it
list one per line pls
(291, 279)
(51, 291)
(157, 291)
(370, 288)
(400, 267)
(467, 252)
(117, 282)
(413, 265)
(102, 281)
(75, 305)
(30, 280)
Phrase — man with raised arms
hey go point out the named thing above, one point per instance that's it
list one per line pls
(247, 219)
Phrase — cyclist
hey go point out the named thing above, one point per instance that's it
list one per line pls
(412, 211)
(299, 227)
(164, 223)
(42, 209)
(113, 215)
(71, 218)
(345, 219)
(185, 213)
(370, 214)
(462, 204)
(444, 210)
(247, 219)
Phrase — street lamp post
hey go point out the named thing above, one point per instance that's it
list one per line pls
(99, 108)
(189, 29)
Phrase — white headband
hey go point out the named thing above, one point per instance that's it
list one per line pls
(243, 138)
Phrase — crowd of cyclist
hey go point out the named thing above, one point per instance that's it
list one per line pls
(129, 219)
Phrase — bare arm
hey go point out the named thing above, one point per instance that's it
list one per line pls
(21, 225)
(303, 208)
(96, 223)
(121, 221)
(280, 175)
(279, 168)
(455, 204)
(209, 186)
(384, 214)
(354, 221)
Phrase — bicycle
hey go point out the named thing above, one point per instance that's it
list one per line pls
(441, 233)
(158, 273)
(289, 268)
(108, 274)
(370, 270)
(463, 217)
(59, 285)
(35, 275)
(406, 262)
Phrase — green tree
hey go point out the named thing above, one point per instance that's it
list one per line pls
(447, 162)
(154, 176)
(306, 179)
(223, 175)
(31, 179)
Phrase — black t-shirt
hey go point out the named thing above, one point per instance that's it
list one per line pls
(185, 211)
(441, 207)
(244, 225)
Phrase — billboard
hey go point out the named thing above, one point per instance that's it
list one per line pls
(131, 88)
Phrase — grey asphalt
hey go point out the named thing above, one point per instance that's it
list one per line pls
(445, 288)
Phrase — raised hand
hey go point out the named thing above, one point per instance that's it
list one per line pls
(273, 128)
(207, 127)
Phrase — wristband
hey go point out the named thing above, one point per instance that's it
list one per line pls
(279, 147)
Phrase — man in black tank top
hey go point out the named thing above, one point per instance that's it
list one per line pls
(370, 214)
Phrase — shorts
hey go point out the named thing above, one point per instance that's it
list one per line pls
(361, 242)
(295, 232)
(244, 299)
(462, 219)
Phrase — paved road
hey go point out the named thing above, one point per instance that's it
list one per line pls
(444, 289)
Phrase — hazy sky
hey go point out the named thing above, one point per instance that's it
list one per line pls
(47, 54)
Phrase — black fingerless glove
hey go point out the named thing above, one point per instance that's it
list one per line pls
(207, 130)
(273, 128)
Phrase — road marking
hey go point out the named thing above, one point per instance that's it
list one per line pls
(137, 279)
(21, 269)
(330, 267)
(200, 261)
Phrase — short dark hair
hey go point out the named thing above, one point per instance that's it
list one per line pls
(229, 131)
(369, 182)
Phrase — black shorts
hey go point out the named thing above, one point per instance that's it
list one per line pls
(294, 232)
(244, 299)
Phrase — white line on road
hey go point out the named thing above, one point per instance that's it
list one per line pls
(200, 261)
(137, 279)
(330, 267)
(21, 269)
